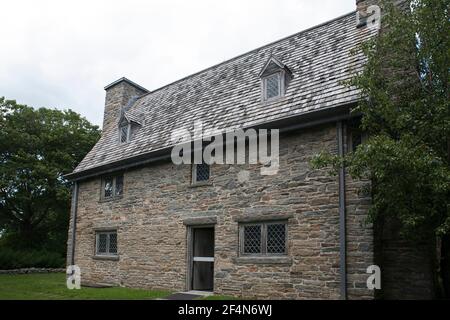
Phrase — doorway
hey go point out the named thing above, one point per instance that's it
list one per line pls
(202, 259)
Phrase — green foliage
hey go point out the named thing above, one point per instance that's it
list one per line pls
(14, 259)
(37, 147)
(405, 112)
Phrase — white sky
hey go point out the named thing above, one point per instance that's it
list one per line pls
(61, 53)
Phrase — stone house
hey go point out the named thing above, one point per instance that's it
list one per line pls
(139, 220)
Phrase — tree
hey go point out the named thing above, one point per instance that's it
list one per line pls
(37, 147)
(405, 112)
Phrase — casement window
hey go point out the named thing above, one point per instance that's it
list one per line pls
(263, 239)
(112, 187)
(275, 78)
(106, 243)
(200, 173)
(355, 137)
(124, 132)
(272, 86)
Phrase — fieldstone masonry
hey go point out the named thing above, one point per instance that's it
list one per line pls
(159, 204)
(158, 198)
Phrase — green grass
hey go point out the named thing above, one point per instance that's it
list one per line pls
(52, 286)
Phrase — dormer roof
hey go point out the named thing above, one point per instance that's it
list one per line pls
(273, 65)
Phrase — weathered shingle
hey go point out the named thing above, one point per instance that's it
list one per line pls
(228, 95)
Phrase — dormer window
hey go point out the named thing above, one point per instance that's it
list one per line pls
(272, 85)
(124, 132)
(275, 77)
(129, 124)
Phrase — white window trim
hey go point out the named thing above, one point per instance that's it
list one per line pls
(97, 243)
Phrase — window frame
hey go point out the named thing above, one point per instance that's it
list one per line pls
(128, 138)
(97, 243)
(281, 84)
(194, 174)
(114, 187)
(263, 252)
(351, 132)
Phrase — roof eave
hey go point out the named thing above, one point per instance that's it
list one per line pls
(304, 120)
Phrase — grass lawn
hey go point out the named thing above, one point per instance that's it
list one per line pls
(52, 286)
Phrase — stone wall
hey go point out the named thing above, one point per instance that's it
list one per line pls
(406, 265)
(158, 198)
(32, 270)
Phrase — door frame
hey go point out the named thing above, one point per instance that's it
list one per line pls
(190, 252)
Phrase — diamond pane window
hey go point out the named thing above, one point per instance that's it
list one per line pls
(252, 239)
(276, 238)
(106, 243)
(201, 172)
(102, 243)
(108, 187)
(123, 130)
(119, 186)
(113, 243)
(112, 187)
(265, 238)
(272, 86)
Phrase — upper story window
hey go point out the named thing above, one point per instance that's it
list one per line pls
(272, 86)
(112, 187)
(124, 132)
(263, 239)
(129, 124)
(275, 78)
(200, 173)
(355, 136)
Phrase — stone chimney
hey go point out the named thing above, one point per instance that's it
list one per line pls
(118, 95)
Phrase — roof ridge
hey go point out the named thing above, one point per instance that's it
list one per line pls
(245, 53)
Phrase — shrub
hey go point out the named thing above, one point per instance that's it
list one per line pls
(15, 259)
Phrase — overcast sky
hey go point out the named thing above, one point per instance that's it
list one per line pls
(60, 54)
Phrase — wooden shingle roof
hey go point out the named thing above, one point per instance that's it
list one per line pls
(228, 95)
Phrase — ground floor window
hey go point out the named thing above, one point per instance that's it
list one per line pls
(106, 243)
(265, 238)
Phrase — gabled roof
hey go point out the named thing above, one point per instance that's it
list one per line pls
(132, 117)
(273, 64)
(123, 79)
(228, 95)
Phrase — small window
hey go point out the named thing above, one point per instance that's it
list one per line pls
(355, 137)
(106, 243)
(272, 86)
(263, 238)
(112, 187)
(200, 172)
(118, 190)
(124, 132)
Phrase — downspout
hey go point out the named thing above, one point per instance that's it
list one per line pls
(74, 220)
(342, 218)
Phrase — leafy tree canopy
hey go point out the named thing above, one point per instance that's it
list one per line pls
(37, 147)
(405, 112)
